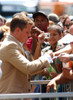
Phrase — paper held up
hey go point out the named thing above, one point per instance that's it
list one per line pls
(66, 39)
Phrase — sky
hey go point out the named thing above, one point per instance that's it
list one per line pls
(59, 0)
(42, 0)
(66, 0)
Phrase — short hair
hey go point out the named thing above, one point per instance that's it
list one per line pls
(53, 17)
(20, 20)
(56, 28)
(65, 20)
(64, 16)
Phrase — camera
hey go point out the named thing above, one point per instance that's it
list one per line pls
(46, 35)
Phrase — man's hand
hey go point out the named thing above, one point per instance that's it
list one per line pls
(64, 57)
(52, 83)
(44, 72)
(36, 30)
(41, 38)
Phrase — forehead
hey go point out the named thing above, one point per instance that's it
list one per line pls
(40, 17)
(53, 31)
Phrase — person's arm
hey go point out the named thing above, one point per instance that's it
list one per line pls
(37, 53)
(66, 49)
(60, 79)
(68, 73)
(34, 44)
(64, 57)
(15, 57)
(34, 33)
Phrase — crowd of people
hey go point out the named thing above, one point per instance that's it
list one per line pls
(30, 50)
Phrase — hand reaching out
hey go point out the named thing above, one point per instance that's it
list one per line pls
(64, 57)
(52, 83)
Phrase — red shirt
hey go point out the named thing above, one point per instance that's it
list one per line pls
(29, 42)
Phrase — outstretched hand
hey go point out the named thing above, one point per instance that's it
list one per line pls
(64, 57)
(51, 84)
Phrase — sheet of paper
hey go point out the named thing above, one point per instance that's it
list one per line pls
(66, 39)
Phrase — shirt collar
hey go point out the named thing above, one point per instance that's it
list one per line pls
(17, 40)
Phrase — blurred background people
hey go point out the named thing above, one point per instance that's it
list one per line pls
(2, 20)
(53, 17)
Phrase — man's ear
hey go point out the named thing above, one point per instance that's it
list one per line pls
(18, 29)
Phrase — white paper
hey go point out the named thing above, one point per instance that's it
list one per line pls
(50, 59)
(66, 39)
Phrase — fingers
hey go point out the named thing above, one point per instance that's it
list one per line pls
(55, 88)
(48, 89)
(61, 55)
(36, 30)
(50, 85)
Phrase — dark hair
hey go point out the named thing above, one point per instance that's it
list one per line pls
(21, 21)
(56, 28)
(40, 13)
(64, 16)
(65, 20)
(1, 35)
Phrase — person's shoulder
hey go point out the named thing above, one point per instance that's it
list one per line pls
(7, 42)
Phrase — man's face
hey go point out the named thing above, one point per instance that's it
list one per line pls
(41, 22)
(25, 33)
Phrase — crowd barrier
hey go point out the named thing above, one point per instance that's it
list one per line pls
(66, 88)
(22, 96)
(50, 96)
